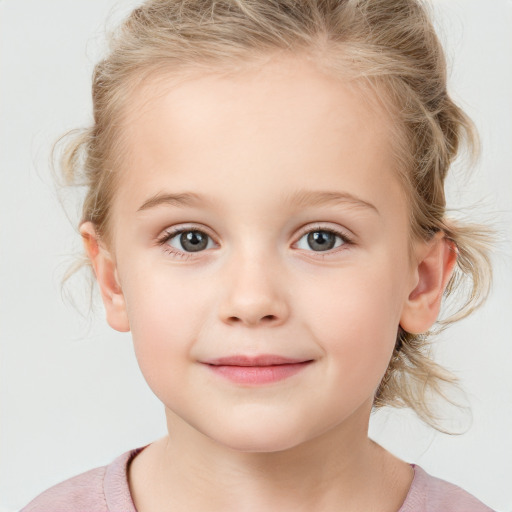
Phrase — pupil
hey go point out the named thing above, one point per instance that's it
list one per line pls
(321, 240)
(193, 241)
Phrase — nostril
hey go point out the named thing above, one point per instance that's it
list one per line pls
(266, 318)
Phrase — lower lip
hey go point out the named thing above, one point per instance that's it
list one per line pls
(258, 374)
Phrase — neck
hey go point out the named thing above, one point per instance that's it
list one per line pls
(188, 470)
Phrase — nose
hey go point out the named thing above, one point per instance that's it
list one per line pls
(253, 294)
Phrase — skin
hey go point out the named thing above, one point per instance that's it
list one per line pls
(248, 144)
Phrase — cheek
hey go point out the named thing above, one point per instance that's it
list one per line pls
(164, 321)
(356, 320)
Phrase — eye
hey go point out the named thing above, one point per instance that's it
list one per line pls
(187, 241)
(320, 240)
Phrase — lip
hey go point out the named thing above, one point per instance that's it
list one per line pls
(256, 370)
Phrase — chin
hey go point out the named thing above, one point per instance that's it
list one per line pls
(254, 438)
(261, 445)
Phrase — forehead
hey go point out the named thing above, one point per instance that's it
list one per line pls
(283, 126)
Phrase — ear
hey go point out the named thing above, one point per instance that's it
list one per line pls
(436, 261)
(106, 275)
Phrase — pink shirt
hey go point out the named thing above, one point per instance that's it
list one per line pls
(106, 489)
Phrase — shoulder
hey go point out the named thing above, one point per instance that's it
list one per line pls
(81, 492)
(103, 489)
(431, 494)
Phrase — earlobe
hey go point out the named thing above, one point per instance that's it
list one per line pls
(436, 261)
(106, 275)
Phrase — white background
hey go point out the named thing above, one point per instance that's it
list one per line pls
(71, 394)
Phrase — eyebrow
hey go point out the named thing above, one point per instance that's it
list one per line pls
(179, 200)
(300, 198)
(305, 198)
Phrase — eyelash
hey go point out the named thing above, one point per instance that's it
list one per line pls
(169, 235)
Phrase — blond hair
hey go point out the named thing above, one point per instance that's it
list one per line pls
(389, 47)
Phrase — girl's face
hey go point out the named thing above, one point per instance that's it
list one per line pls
(259, 221)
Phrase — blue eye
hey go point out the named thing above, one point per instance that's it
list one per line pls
(190, 240)
(320, 240)
(184, 242)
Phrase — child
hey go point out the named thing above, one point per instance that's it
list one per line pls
(266, 215)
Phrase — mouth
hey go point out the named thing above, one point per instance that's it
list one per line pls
(256, 370)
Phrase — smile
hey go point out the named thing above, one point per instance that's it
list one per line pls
(264, 369)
